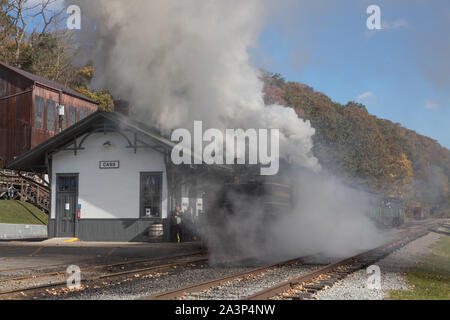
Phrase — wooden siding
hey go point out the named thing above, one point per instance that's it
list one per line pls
(40, 135)
(14, 115)
(18, 130)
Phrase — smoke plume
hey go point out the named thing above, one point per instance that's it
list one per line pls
(180, 61)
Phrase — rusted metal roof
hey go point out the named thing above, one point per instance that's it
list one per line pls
(46, 83)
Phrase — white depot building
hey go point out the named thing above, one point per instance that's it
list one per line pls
(112, 179)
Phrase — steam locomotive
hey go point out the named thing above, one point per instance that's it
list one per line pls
(246, 191)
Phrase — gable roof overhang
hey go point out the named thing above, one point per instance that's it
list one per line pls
(73, 138)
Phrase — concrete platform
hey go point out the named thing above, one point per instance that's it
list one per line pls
(54, 252)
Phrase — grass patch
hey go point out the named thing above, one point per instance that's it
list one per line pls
(17, 212)
(431, 278)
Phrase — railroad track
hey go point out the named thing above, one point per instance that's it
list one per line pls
(306, 286)
(302, 287)
(87, 266)
(109, 271)
(179, 293)
(443, 228)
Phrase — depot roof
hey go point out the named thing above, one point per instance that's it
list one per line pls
(36, 160)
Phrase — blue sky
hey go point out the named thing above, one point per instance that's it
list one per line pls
(401, 73)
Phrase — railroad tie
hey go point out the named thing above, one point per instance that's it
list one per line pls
(328, 282)
(314, 287)
(298, 297)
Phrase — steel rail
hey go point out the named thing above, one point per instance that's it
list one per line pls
(109, 275)
(89, 263)
(98, 277)
(312, 276)
(176, 293)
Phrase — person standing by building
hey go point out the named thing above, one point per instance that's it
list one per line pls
(177, 220)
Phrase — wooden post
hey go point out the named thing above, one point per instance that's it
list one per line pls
(21, 190)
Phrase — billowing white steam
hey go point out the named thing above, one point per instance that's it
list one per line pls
(327, 219)
(180, 61)
(177, 61)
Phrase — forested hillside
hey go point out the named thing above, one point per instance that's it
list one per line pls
(374, 153)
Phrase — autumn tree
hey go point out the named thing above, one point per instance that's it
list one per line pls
(374, 153)
(32, 38)
(81, 83)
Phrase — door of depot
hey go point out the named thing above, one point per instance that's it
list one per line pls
(66, 204)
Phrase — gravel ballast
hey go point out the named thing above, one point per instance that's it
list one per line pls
(244, 287)
(140, 285)
(392, 268)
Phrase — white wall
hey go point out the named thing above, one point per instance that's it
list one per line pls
(108, 193)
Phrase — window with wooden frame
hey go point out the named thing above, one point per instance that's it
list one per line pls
(72, 116)
(39, 112)
(81, 115)
(151, 194)
(51, 115)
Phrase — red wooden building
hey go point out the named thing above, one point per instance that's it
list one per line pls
(29, 110)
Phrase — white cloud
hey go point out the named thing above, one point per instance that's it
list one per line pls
(432, 105)
(397, 24)
(400, 23)
(365, 95)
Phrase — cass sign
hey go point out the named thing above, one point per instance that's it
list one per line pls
(109, 165)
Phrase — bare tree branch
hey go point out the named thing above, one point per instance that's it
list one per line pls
(23, 16)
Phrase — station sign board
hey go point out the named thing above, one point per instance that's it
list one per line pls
(109, 165)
